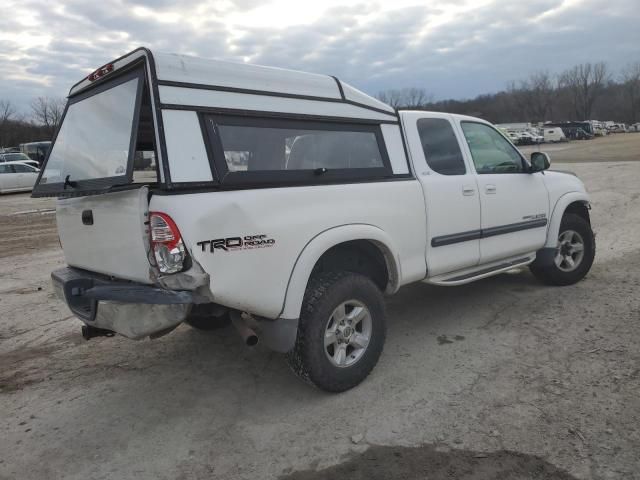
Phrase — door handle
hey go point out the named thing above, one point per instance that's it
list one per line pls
(490, 189)
(468, 190)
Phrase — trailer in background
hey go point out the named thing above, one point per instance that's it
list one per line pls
(553, 134)
(36, 150)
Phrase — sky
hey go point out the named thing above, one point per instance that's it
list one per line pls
(452, 49)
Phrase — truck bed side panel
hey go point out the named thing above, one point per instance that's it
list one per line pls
(255, 278)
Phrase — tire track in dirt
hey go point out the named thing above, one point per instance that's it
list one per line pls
(25, 233)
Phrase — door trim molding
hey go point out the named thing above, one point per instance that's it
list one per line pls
(453, 238)
(443, 240)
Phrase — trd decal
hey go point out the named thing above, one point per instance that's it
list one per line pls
(231, 244)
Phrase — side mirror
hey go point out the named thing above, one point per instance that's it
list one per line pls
(539, 161)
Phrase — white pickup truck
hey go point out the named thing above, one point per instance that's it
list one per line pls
(288, 204)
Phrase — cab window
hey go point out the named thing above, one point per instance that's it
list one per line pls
(491, 152)
(440, 146)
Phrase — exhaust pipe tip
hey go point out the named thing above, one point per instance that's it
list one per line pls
(248, 335)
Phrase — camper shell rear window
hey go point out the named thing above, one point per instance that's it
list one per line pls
(106, 139)
(275, 150)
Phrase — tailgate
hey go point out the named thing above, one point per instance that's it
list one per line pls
(107, 233)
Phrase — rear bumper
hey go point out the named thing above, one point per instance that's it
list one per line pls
(131, 309)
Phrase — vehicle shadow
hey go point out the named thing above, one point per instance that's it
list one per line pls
(428, 461)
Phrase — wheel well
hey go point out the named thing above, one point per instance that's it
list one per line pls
(579, 208)
(357, 256)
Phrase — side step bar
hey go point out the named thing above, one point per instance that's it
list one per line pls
(460, 279)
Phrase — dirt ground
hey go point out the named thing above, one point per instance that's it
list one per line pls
(503, 378)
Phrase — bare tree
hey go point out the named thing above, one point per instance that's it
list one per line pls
(585, 83)
(518, 103)
(389, 97)
(7, 111)
(413, 97)
(48, 111)
(540, 95)
(631, 88)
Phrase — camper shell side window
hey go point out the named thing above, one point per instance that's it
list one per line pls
(257, 150)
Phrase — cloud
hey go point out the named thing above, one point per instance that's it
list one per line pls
(451, 48)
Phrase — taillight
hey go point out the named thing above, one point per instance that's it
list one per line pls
(166, 242)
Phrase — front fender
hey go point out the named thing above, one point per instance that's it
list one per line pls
(558, 211)
(322, 242)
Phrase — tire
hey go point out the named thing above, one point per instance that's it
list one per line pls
(207, 323)
(562, 273)
(329, 297)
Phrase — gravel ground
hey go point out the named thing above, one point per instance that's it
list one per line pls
(503, 378)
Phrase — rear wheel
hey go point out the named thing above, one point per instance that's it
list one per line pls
(341, 331)
(574, 255)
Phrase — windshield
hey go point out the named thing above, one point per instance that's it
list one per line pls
(14, 157)
(95, 137)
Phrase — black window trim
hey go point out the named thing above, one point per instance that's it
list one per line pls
(455, 135)
(224, 177)
(525, 165)
(89, 186)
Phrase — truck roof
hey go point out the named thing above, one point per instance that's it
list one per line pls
(432, 113)
(206, 78)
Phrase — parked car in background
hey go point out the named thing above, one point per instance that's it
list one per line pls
(17, 177)
(513, 136)
(530, 138)
(524, 139)
(36, 150)
(14, 157)
(9, 149)
(31, 163)
(618, 128)
(635, 127)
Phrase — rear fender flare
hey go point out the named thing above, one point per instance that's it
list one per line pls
(322, 242)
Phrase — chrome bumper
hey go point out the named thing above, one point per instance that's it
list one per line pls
(131, 309)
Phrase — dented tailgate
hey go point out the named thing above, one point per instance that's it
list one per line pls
(107, 233)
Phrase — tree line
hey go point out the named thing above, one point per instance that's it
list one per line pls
(39, 124)
(588, 91)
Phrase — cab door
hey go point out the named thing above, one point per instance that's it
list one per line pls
(514, 203)
(450, 192)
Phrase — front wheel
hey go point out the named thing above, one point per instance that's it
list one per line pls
(341, 331)
(574, 253)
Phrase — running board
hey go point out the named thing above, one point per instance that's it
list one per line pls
(470, 276)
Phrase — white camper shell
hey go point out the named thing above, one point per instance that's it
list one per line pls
(286, 203)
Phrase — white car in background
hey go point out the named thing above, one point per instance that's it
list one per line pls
(529, 138)
(18, 157)
(14, 157)
(17, 177)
